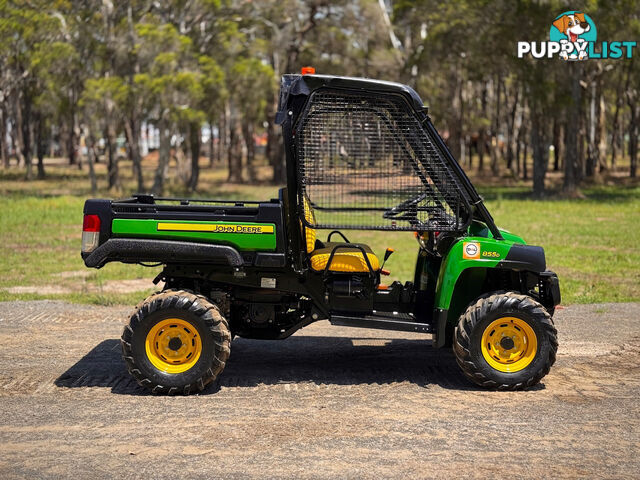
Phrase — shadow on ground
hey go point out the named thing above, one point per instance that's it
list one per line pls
(299, 359)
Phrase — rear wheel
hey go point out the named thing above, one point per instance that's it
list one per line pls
(505, 341)
(176, 342)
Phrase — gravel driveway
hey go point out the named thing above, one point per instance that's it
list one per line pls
(328, 402)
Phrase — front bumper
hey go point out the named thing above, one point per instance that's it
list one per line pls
(549, 289)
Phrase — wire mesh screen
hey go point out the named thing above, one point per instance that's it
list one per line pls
(366, 162)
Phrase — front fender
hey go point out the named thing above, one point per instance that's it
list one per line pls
(478, 253)
(468, 252)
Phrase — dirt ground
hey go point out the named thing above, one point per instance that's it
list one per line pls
(328, 402)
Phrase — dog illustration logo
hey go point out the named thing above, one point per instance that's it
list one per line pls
(573, 30)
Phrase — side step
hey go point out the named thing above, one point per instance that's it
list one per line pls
(400, 322)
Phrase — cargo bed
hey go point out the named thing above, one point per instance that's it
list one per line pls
(144, 228)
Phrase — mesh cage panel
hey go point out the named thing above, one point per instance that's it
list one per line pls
(361, 154)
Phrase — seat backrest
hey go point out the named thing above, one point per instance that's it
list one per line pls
(309, 233)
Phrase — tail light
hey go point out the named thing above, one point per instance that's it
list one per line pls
(90, 233)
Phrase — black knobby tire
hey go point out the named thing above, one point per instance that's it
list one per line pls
(468, 338)
(203, 315)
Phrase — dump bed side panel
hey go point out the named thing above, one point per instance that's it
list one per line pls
(240, 235)
(191, 232)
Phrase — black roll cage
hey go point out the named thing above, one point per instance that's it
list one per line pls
(295, 93)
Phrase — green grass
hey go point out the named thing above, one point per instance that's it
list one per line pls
(592, 243)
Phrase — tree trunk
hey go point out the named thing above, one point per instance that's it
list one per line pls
(517, 134)
(593, 150)
(495, 125)
(481, 133)
(601, 128)
(234, 153)
(78, 157)
(13, 142)
(461, 140)
(558, 143)
(63, 139)
(112, 157)
(4, 150)
(540, 150)
(571, 160)
(511, 131)
(194, 147)
(582, 141)
(91, 160)
(23, 128)
(275, 148)
(53, 136)
(71, 139)
(212, 142)
(149, 133)
(616, 137)
(616, 129)
(518, 152)
(481, 149)
(182, 155)
(132, 133)
(222, 136)
(163, 157)
(133, 124)
(455, 123)
(525, 154)
(633, 133)
(109, 156)
(247, 133)
(524, 140)
(41, 146)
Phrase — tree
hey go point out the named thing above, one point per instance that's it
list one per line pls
(100, 70)
(25, 27)
(101, 101)
(54, 65)
(172, 88)
(214, 93)
(251, 84)
(572, 160)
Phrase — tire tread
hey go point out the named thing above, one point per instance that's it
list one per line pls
(480, 309)
(196, 304)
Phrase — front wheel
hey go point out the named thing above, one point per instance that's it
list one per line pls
(176, 342)
(505, 341)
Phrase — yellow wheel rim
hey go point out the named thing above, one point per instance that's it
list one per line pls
(173, 345)
(509, 344)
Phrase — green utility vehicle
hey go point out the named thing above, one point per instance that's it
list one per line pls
(361, 155)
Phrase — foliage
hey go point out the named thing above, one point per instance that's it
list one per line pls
(72, 69)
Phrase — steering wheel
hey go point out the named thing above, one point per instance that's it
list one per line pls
(408, 207)
(407, 211)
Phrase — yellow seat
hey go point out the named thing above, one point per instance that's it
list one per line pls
(348, 259)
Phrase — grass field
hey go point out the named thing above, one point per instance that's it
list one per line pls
(592, 243)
